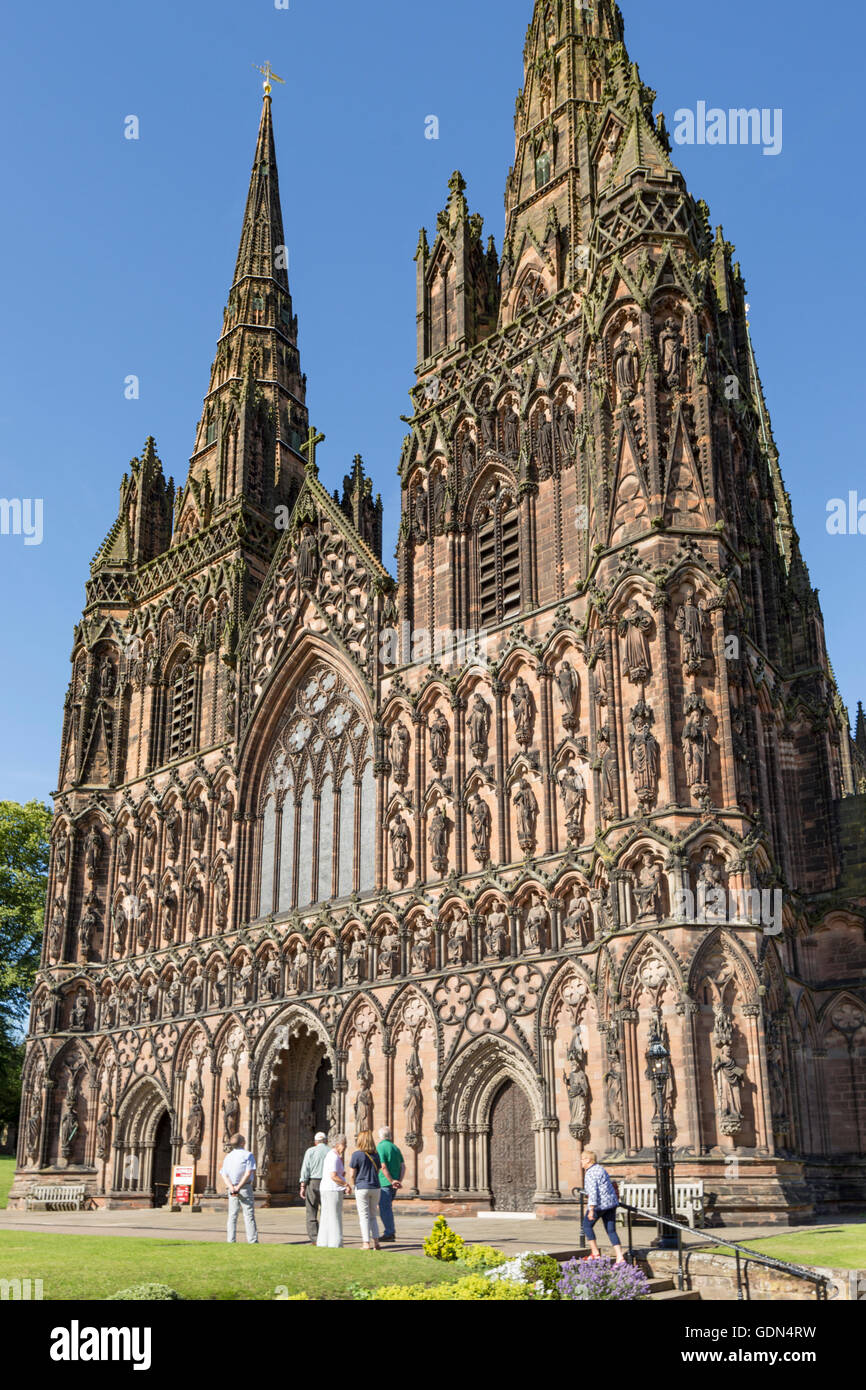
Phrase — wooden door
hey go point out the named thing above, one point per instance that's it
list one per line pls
(512, 1151)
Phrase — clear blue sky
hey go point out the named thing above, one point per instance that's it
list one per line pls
(117, 255)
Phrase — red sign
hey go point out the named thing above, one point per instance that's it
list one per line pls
(182, 1178)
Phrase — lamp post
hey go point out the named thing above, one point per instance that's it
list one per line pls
(658, 1073)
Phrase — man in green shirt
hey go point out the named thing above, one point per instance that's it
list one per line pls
(390, 1180)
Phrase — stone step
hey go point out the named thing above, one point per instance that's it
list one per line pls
(676, 1296)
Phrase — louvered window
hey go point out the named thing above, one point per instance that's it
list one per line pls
(499, 567)
(182, 710)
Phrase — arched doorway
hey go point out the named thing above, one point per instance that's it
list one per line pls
(161, 1181)
(297, 1079)
(512, 1150)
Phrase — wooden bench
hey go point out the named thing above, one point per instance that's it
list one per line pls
(688, 1199)
(55, 1196)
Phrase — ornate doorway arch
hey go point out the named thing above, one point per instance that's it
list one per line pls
(144, 1114)
(512, 1150)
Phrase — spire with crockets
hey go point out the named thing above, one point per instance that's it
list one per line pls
(255, 418)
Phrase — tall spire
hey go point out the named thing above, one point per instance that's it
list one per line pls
(254, 420)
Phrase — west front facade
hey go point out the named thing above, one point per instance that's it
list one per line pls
(447, 851)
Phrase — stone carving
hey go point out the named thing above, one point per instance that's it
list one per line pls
(728, 1075)
(61, 855)
(572, 785)
(198, 820)
(356, 957)
(689, 623)
(523, 709)
(222, 895)
(103, 1126)
(535, 928)
(327, 966)
(195, 990)
(697, 746)
(511, 427)
(577, 1086)
(174, 997)
(400, 838)
(413, 1101)
(545, 445)
(194, 905)
(609, 774)
(246, 981)
(169, 909)
(497, 936)
(440, 739)
(57, 929)
(481, 823)
(364, 1100)
(712, 899)
(478, 724)
(671, 354)
(231, 1107)
(221, 981)
(151, 997)
(87, 928)
(422, 946)
(307, 562)
(438, 835)
(195, 1121)
(626, 361)
(568, 682)
(125, 845)
(634, 626)
(613, 1084)
(459, 938)
(93, 849)
(70, 1121)
(389, 953)
(398, 752)
(526, 805)
(577, 923)
(79, 1010)
(148, 839)
(565, 431)
(264, 1129)
(224, 816)
(173, 832)
(646, 886)
(299, 969)
(643, 755)
(271, 977)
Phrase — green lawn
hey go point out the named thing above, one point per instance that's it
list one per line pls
(7, 1172)
(830, 1247)
(94, 1267)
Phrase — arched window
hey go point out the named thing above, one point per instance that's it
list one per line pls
(498, 562)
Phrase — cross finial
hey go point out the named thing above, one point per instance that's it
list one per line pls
(269, 76)
(309, 448)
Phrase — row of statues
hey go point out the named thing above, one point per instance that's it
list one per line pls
(95, 841)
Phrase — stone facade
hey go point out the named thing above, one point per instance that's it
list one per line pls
(333, 850)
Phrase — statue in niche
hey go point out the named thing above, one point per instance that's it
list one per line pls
(572, 785)
(422, 945)
(711, 895)
(61, 855)
(221, 982)
(69, 1124)
(697, 744)
(328, 966)
(481, 822)
(148, 837)
(198, 819)
(671, 354)
(271, 977)
(119, 926)
(497, 936)
(523, 709)
(43, 1014)
(568, 682)
(527, 813)
(438, 501)
(152, 1000)
(57, 929)
(440, 740)
(93, 847)
(87, 929)
(478, 724)
(174, 997)
(565, 430)
(195, 990)
(231, 1107)
(626, 367)
(577, 1086)
(596, 651)
(299, 968)
(112, 1004)
(689, 623)
(79, 1010)
(398, 752)
(103, 1126)
(647, 888)
(634, 626)
(307, 562)
(459, 937)
(578, 920)
(643, 755)
(613, 1088)
(413, 1101)
(195, 1121)
(222, 895)
(389, 953)
(226, 810)
(170, 907)
(419, 513)
(535, 929)
(246, 980)
(728, 1075)
(609, 773)
(511, 431)
(545, 445)
(399, 836)
(437, 836)
(356, 958)
(467, 455)
(195, 899)
(263, 1132)
(364, 1101)
(173, 829)
(125, 845)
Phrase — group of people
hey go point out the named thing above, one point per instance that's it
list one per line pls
(374, 1174)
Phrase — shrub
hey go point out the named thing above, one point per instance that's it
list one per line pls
(443, 1243)
(146, 1293)
(481, 1257)
(596, 1281)
(472, 1287)
(533, 1268)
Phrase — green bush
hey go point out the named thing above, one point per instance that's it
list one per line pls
(472, 1287)
(146, 1293)
(543, 1269)
(481, 1257)
(443, 1243)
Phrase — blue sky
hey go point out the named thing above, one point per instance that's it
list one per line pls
(118, 254)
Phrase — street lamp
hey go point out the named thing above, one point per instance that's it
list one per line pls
(658, 1072)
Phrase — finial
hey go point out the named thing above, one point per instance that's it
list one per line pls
(269, 76)
(309, 449)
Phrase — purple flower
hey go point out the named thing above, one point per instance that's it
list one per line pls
(596, 1281)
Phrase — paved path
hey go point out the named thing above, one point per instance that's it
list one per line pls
(285, 1225)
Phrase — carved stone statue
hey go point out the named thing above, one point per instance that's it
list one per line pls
(61, 855)
(194, 901)
(389, 953)
(577, 1086)
(437, 834)
(613, 1089)
(69, 1124)
(174, 997)
(565, 430)
(569, 692)
(689, 623)
(646, 889)
(609, 773)
(103, 1126)
(712, 898)
(173, 831)
(225, 813)
(440, 739)
(535, 929)
(93, 848)
(195, 990)
(364, 1101)
(512, 432)
(398, 834)
(148, 839)
(356, 958)
(413, 1101)
(87, 929)
(572, 785)
(398, 752)
(643, 755)
(246, 980)
(271, 977)
(497, 935)
(728, 1075)
(671, 354)
(119, 926)
(198, 819)
(480, 820)
(545, 445)
(527, 813)
(634, 626)
(523, 709)
(697, 744)
(152, 1000)
(625, 367)
(299, 969)
(195, 1121)
(459, 936)
(577, 923)
(79, 1010)
(422, 946)
(327, 966)
(125, 844)
(231, 1107)
(170, 906)
(307, 564)
(478, 724)
(222, 895)
(57, 929)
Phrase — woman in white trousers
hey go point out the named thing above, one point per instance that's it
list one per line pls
(332, 1190)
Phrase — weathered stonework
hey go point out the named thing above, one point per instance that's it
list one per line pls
(310, 869)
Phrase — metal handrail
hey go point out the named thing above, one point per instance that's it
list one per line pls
(796, 1271)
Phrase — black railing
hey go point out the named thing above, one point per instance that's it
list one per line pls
(784, 1266)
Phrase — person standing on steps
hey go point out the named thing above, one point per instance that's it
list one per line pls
(311, 1182)
(602, 1200)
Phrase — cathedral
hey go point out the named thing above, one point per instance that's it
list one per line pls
(448, 850)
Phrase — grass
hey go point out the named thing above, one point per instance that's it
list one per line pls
(7, 1172)
(829, 1247)
(95, 1267)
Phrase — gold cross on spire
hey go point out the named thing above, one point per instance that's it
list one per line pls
(309, 448)
(269, 76)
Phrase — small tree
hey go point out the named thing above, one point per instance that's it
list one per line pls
(23, 881)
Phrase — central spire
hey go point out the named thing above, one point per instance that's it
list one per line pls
(262, 250)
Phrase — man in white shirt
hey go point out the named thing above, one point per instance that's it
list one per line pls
(237, 1173)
